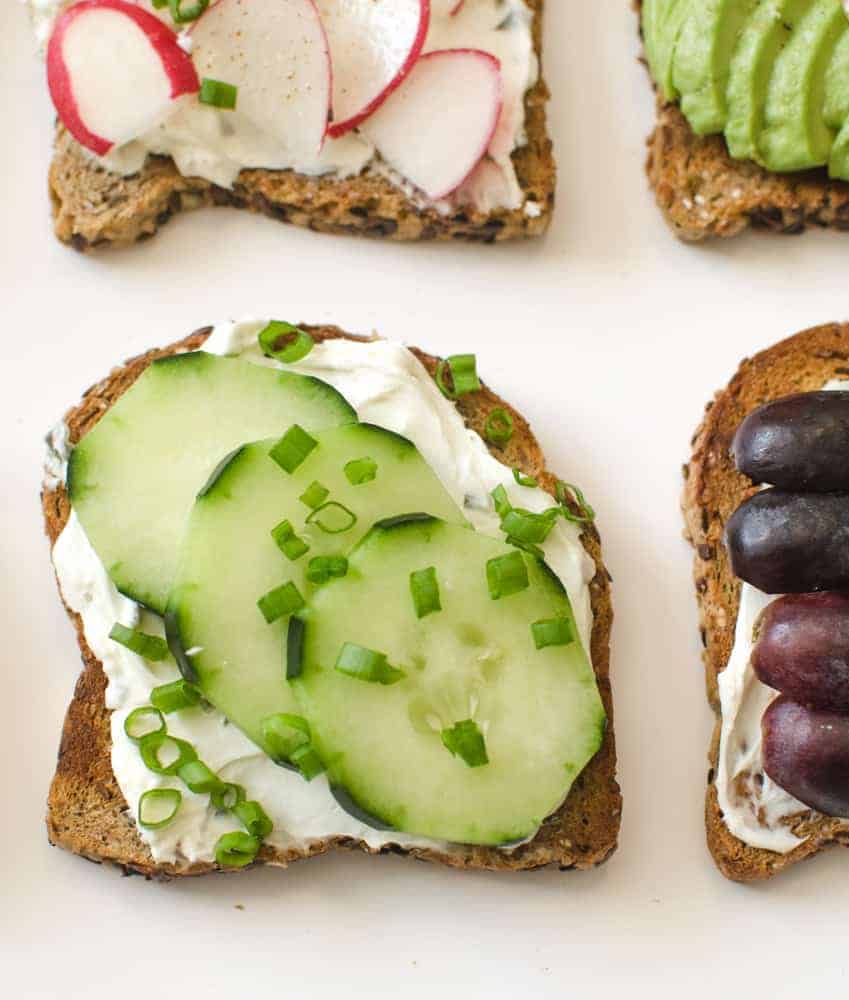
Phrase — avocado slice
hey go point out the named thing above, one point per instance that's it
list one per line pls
(666, 21)
(838, 163)
(836, 109)
(795, 135)
(702, 60)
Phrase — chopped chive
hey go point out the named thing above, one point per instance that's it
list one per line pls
(285, 342)
(181, 15)
(585, 513)
(283, 734)
(528, 527)
(336, 518)
(295, 647)
(254, 818)
(524, 480)
(145, 721)
(288, 542)
(164, 754)
(199, 778)
(361, 470)
(281, 601)
(307, 761)
(159, 4)
(291, 450)
(552, 632)
(158, 807)
(366, 665)
(465, 740)
(501, 501)
(236, 849)
(424, 588)
(323, 568)
(529, 547)
(218, 94)
(227, 795)
(149, 647)
(174, 696)
(499, 426)
(506, 575)
(464, 376)
(314, 495)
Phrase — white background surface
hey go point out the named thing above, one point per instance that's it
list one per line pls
(610, 336)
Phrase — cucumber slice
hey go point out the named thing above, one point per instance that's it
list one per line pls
(385, 743)
(133, 478)
(229, 558)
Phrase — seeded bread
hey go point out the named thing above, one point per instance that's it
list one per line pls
(93, 207)
(704, 193)
(713, 490)
(87, 813)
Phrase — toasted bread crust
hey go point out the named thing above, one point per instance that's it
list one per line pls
(87, 813)
(93, 207)
(712, 492)
(704, 193)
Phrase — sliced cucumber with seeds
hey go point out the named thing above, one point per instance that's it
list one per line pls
(133, 478)
(230, 560)
(484, 734)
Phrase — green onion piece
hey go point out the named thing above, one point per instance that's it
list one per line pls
(285, 342)
(501, 501)
(499, 426)
(281, 601)
(254, 818)
(425, 590)
(585, 513)
(145, 721)
(323, 568)
(291, 450)
(288, 542)
(361, 470)
(506, 575)
(164, 754)
(158, 807)
(218, 94)
(314, 495)
(336, 518)
(307, 761)
(466, 741)
(524, 480)
(159, 4)
(149, 647)
(464, 376)
(529, 547)
(227, 795)
(174, 696)
(237, 849)
(185, 16)
(283, 734)
(552, 632)
(528, 527)
(295, 647)
(199, 778)
(366, 665)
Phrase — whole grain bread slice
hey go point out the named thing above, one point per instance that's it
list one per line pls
(704, 193)
(93, 207)
(87, 813)
(713, 490)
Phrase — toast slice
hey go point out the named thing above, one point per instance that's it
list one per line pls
(704, 193)
(87, 813)
(93, 207)
(713, 490)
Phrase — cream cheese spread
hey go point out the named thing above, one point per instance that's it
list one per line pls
(386, 385)
(754, 808)
(217, 145)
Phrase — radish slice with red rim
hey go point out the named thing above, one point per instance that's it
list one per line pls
(113, 69)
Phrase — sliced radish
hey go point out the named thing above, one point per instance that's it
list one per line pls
(436, 128)
(373, 45)
(275, 53)
(113, 68)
